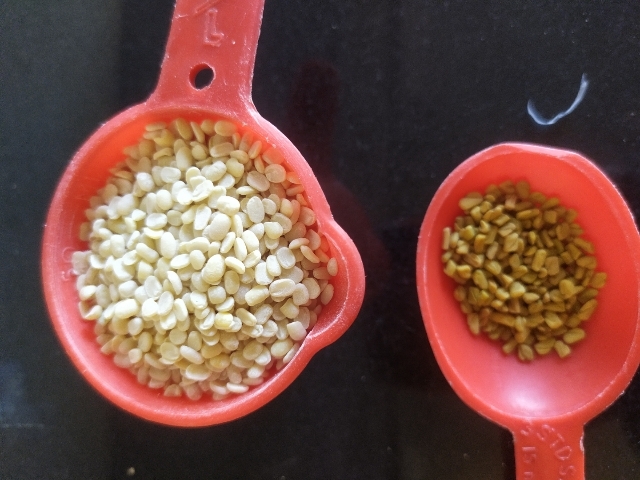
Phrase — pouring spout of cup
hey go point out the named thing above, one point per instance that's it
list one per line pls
(216, 39)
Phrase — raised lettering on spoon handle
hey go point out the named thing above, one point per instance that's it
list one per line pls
(226, 43)
(549, 450)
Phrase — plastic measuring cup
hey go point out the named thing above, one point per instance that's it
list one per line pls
(219, 37)
(544, 403)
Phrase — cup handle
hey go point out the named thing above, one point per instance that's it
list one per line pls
(216, 36)
(549, 449)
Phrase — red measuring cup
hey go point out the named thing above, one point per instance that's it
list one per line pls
(545, 403)
(218, 37)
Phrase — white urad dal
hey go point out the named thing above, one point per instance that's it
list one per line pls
(205, 267)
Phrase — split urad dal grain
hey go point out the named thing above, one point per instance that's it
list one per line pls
(525, 275)
(205, 269)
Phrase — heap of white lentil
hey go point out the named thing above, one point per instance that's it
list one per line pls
(205, 268)
(526, 276)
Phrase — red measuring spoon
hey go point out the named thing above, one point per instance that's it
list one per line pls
(219, 37)
(547, 402)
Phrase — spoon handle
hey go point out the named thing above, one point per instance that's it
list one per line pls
(215, 36)
(549, 450)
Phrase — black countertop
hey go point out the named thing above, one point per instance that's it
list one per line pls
(404, 91)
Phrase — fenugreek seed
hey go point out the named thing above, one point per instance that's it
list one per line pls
(510, 243)
(525, 352)
(567, 288)
(534, 320)
(574, 335)
(587, 261)
(479, 243)
(566, 258)
(586, 246)
(450, 268)
(501, 220)
(503, 319)
(538, 259)
(598, 280)
(493, 267)
(587, 309)
(528, 214)
(476, 213)
(468, 232)
(474, 260)
(446, 238)
(519, 272)
(552, 264)
(480, 279)
(501, 294)
(550, 216)
(530, 297)
(510, 346)
(505, 280)
(473, 321)
(463, 271)
(543, 347)
(462, 248)
(470, 201)
(574, 251)
(552, 319)
(522, 189)
(561, 348)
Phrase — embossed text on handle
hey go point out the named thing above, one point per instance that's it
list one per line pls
(211, 35)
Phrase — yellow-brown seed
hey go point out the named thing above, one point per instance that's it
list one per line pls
(525, 274)
(574, 335)
(562, 348)
(470, 201)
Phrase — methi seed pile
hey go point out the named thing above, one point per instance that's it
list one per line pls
(205, 266)
(526, 277)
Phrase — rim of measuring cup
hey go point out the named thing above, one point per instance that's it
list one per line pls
(118, 385)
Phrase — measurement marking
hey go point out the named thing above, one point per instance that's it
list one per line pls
(555, 442)
(211, 35)
(205, 6)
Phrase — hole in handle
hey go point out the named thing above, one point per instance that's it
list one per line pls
(201, 76)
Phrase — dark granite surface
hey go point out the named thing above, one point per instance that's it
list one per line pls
(405, 91)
